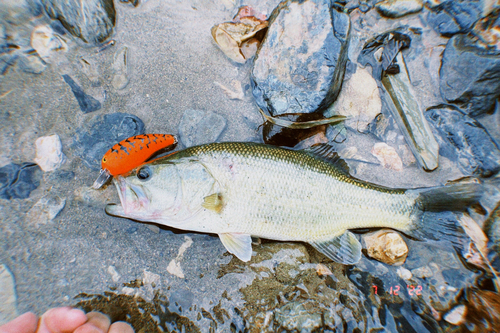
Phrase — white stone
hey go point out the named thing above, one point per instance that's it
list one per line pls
(49, 155)
(359, 99)
(115, 276)
(457, 315)
(45, 210)
(174, 267)
(46, 42)
(8, 298)
(387, 156)
(404, 273)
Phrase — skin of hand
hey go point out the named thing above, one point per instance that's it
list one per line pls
(65, 320)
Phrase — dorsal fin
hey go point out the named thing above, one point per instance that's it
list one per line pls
(327, 153)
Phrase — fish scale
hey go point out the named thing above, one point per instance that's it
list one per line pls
(297, 190)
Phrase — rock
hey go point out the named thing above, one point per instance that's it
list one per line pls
(443, 23)
(301, 63)
(469, 76)
(8, 297)
(115, 276)
(359, 99)
(92, 22)
(456, 316)
(174, 267)
(240, 39)
(463, 139)
(387, 156)
(487, 31)
(406, 155)
(32, 63)
(120, 76)
(398, 8)
(46, 42)
(45, 210)
(380, 126)
(86, 102)
(386, 246)
(492, 230)
(101, 133)
(299, 317)
(388, 66)
(49, 155)
(17, 181)
(483, 309)
(404, 273)
(454, 16)
(409, 117)
(198, 127)
(422, 272)
(237, 94)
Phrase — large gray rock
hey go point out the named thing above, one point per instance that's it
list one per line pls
(469, 76)
(90, 20)
(449, 17)
(465, 140)
(301, 63)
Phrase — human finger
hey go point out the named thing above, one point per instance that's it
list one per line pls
(61, 320)
(25, 323)
(97, 323)
(121, 327)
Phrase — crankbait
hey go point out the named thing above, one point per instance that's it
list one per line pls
(132, 152)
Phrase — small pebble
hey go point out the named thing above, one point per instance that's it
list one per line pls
(120, 76)
(199, 127)
(49, 155)
(114, 274)
(17, 181)
(404, 273)
(86, 102)
(398, 8)
(422, 272)
(359, 99)
(322, 270)
(46, 42)
(457, 315)
(386, 246)
(387, 156)
(45, 210)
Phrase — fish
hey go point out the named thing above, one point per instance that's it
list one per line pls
(238, 190)
(127, 154)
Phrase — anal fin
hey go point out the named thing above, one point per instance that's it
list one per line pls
(344, 249)
(238, 244)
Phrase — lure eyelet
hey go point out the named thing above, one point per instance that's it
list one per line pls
(144, 173)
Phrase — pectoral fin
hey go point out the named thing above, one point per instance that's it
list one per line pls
(213, 202)
(238, 244)
(344, 249)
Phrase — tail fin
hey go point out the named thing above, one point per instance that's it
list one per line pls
(437, 226)
(434, 216)
(454, 197)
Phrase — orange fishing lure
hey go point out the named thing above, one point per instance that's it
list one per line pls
(132, 152)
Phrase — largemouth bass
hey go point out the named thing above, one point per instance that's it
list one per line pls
(239, 190)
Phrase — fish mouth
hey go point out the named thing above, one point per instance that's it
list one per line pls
(134, 200)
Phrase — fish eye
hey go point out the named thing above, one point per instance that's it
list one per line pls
(144, 173)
